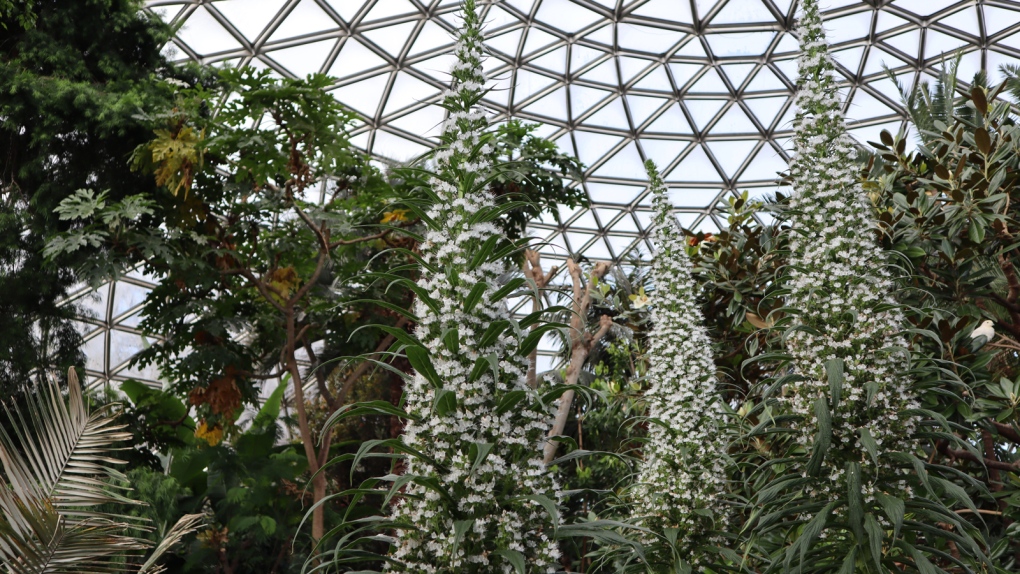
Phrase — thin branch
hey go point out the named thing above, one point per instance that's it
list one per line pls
(533, 271)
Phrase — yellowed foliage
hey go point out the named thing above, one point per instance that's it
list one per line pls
(283, 282)
(176, 156)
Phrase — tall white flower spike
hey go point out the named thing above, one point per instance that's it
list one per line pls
(484, 507)
(841, 286)
(683, 471)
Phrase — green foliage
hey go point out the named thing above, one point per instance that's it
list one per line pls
(73, 76)
(59, 475)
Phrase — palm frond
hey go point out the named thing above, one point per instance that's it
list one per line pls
(58, 470)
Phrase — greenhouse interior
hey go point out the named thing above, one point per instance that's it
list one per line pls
(510, 286)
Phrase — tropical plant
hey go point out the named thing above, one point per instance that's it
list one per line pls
(682, 476)
(73, 76)
(58, 470)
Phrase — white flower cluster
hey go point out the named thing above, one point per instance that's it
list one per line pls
(841, 286)
(683, 471)
(481, 511)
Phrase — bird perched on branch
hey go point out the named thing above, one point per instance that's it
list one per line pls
(982, 335)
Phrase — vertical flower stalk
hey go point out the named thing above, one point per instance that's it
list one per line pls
(480, 498)
(851, 392)
(683, 472)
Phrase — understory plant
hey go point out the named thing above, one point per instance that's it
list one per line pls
(848, 491)
(58, 472)
(473, 494)
(682, 476)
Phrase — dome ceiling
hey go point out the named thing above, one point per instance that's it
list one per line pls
(703, 87)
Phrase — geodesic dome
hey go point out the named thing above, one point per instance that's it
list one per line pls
(703, 87)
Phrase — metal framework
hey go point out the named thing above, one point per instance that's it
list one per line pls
(703, 87)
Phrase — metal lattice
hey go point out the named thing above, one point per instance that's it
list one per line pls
(703, 87)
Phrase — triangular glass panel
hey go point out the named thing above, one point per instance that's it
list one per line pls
(998, 19)
(529, 83)
(682, 73)
(731, 154)
(612, 115)
(407, 91)
(392, 38)
(426, 122)
(692, 49)
(908, 42)
(656, 80)
(203, 34)
(304, 59)
(646, 38)
(765, 80)
(552, 106)
(537, 39)
(662, 152)
(766, 109)
(430, 37)
(622, 245)
(592, 146)
(743, 11)
(306, 18)
(765, 166)
(581, 56)
(937, 43)
(964, 20)
(630, 67)
(787, 67)
(524, 6)
(604, 73)
(613, 193)
(363, 96)
(603, 35)
(695, 167)
(924, 7)
(396, 147)
(734, 121)
(737, 73)
(740, 44)
(670, 10)
(569, 17)
(606, 216)
(852, 27)
(704, 8)
(783, 6)
(888, 21)
(642, 107)
(864, 106)
(703, 110)
(695, 197)
(384, 9)
(354, 59)
(598, 250)
(709, 83)
(582, 98)
(585, 220)
(787, 45)
(624, 224)
(506, 43)
(345, 8)
(850, 58)
(879, 60)
(437, 66)
(555, 61)
(251, 17)
(672, 121)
